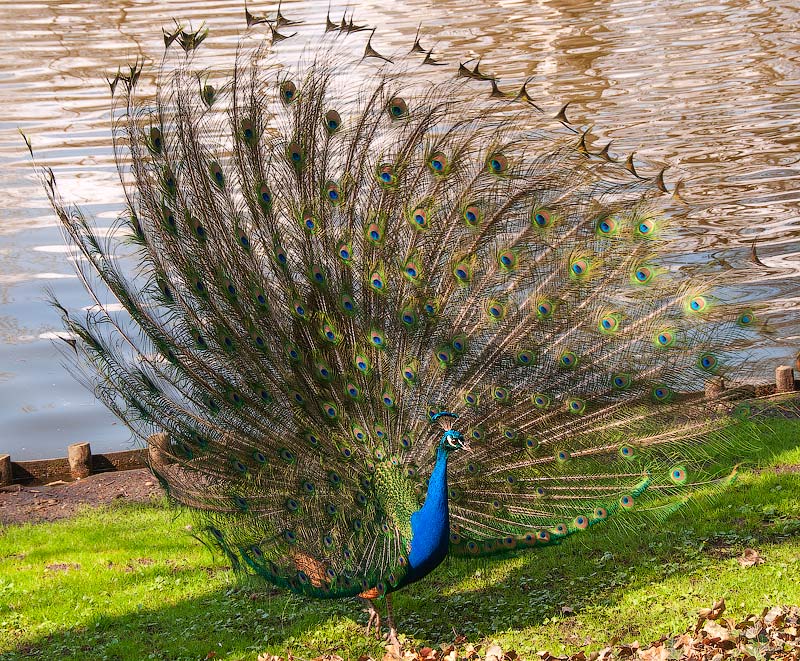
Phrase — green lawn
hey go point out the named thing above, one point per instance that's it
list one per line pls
(131, 583)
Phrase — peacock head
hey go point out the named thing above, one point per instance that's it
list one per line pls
(454, 440)
(451, 439)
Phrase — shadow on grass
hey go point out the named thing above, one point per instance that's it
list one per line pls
(589, 581)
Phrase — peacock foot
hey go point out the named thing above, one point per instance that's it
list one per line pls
(393, 640)
(374, 618)
(392, 637)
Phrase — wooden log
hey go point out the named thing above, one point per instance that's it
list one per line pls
(715, 386)
(784, 379)
(80, 460)
(42, 471)
(118, 461)
(5, 470)
(156, 457)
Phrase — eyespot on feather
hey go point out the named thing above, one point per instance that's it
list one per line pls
(497, 163)
(332, 121)
(288, 91)
(397, 108)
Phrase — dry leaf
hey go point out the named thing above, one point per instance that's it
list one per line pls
(716, 631)
(656, 653)
(494, 653)
(774, 616)
(750, 558)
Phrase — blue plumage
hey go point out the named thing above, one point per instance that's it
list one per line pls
(430, 525)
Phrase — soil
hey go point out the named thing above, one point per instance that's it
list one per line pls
(20, 504)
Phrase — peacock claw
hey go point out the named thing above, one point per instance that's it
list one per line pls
(393, 640)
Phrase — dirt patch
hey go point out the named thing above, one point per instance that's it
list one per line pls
(62, 566)
(20, 504)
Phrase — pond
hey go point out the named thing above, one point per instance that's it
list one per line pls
(711, 89)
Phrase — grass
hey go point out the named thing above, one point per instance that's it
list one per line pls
(130, 582)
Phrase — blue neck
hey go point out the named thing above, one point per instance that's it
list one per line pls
(430, 525)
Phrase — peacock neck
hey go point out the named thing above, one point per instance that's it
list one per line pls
(430, 525)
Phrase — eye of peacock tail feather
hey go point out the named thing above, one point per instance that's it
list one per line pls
(288, 92)
(248, 133)
(397, 108)
(155, 140)
(386, 176)
(542, 218)
(439, 164)
(497, 163)
(608, 226)
(472, 215)
(332, 121)
(419, 218)
(325, 272)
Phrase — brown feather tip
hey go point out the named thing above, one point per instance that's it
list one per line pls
(277, 36)
(754, 254)
(582, 142)
(170, 37)
(676, 192)
(281, 20)
(631, 167)
(330, 26)
(475, 73)
(662, 185)
(496, 93)
(562, 114)
(524, 97)
(190, 41)
(429, 60)
(417, 47)
(253, 19)
(352, 27)
(604, 153)
(113, 83)
(369, 51)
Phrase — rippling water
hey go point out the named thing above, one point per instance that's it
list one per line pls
(710, 88)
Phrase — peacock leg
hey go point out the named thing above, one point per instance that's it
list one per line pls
(374, 617)
(393, 641)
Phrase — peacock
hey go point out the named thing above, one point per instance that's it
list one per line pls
(373, 311)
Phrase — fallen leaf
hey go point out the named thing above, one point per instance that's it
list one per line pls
(494, 653)
(750, 558)
(656, 653)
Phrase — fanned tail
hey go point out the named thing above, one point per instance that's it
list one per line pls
(329, 255)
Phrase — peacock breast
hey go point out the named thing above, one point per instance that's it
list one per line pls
(396, 498)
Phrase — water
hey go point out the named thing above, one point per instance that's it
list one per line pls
(710, 88)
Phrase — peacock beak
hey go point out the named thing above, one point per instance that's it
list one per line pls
(466, 446)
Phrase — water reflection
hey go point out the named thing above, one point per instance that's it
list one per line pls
(709, 88)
